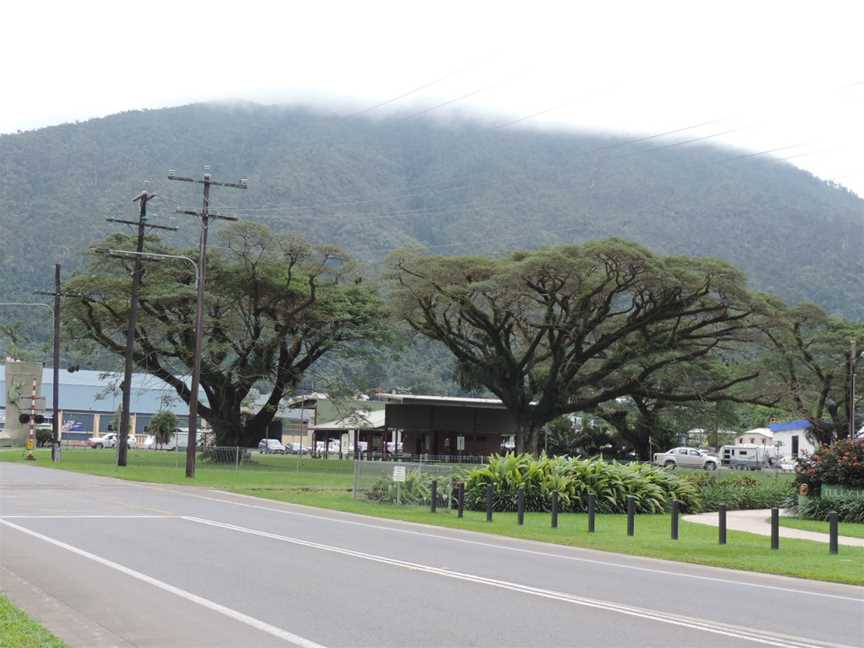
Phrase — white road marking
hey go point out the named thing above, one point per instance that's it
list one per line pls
(85, 516)
(534, 552)
(189, 596)
(728, 630)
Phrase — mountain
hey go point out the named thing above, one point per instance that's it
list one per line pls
(461, 187)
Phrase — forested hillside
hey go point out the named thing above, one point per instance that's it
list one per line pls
(375, 185)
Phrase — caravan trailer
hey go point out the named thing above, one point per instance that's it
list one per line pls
(746, 456)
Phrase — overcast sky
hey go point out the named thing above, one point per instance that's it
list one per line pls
(757, 75)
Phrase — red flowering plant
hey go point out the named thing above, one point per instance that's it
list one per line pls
(841, 464)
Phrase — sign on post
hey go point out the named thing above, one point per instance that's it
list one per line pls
(460, 443)
(398, 473)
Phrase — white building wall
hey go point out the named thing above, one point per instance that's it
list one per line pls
(805, 446)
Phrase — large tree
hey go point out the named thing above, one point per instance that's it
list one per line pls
(275, 305)
(565, 329)
(807, 361)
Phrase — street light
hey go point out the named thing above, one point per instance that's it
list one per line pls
(153, 256)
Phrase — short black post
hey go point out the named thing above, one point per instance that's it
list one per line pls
(775, 528)
(722, 519)
(591, 507)
(520, 507)
(489, 503)
(833, 532)
(555, 509)
(434, 506)
(631, 515)
(675, 511)
(460, 498)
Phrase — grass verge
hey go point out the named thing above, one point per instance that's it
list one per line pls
(17, 630)
(848, 529)
(327, 484)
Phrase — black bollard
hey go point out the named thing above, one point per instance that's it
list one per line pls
(833, 532)
(675, 511)
(489, 503)
(434, 505)
(555, 510)
(591, 507)
(631, 515)
(722, 519)
(775, 528)
(460, 498)
(520, 507)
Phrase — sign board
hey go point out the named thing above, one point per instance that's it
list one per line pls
(398, 473)
(460, 443)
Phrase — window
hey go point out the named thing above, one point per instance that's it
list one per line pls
(681, 451)
(694, 453)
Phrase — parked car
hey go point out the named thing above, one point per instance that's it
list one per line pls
(108, 440)
(296, 448)
(686, 458)
(271, 446)
(788, 464)
(150, 443)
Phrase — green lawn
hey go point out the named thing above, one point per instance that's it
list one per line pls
(327, 484)
(17, 630)
(849, 529)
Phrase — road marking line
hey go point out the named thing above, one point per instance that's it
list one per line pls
(729, 630)
(86, 517)
(535, 552)
(189, 596)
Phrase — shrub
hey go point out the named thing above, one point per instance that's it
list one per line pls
(743, 491)
(850, 508)
(574, 479)
(841, 464)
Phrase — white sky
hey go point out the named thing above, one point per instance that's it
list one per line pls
(778, 75)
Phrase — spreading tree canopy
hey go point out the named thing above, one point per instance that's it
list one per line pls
(566, 329)
(274, 305)
(807, 366)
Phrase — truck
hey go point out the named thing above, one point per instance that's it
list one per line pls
(686, 458)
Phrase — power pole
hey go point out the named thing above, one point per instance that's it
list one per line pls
(142, 199)
(853, 363)
(204, 217)
(55, 387)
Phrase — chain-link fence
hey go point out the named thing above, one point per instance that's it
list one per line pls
(409, 483)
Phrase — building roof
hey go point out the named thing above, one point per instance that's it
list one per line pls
(800, 424)
(358, 420)
(99, 391)
(442, 401)
(763, 431)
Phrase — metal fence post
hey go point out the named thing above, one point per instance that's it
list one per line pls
(775, 528)
(675, 511)
(833, 532)
(722, 520)
(591, 507)
(489, 494)
(520, 507)
(461, 496)
(434, 507)
(237, 458)
(631, 515)
(555, 509)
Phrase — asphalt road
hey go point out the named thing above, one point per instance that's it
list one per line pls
(104, 562)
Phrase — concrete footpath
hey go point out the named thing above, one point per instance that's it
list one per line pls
(759, 522)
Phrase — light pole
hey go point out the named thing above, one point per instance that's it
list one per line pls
(153, 256)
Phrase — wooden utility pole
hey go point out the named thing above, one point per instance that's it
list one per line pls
(55, 385)
(204, 217)
(142, 199)
(853, 365)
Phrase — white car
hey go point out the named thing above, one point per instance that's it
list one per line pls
(110, 440)
(150, 444)
(107, 440)
(787, 464)
(271, 446)
(686, 458)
